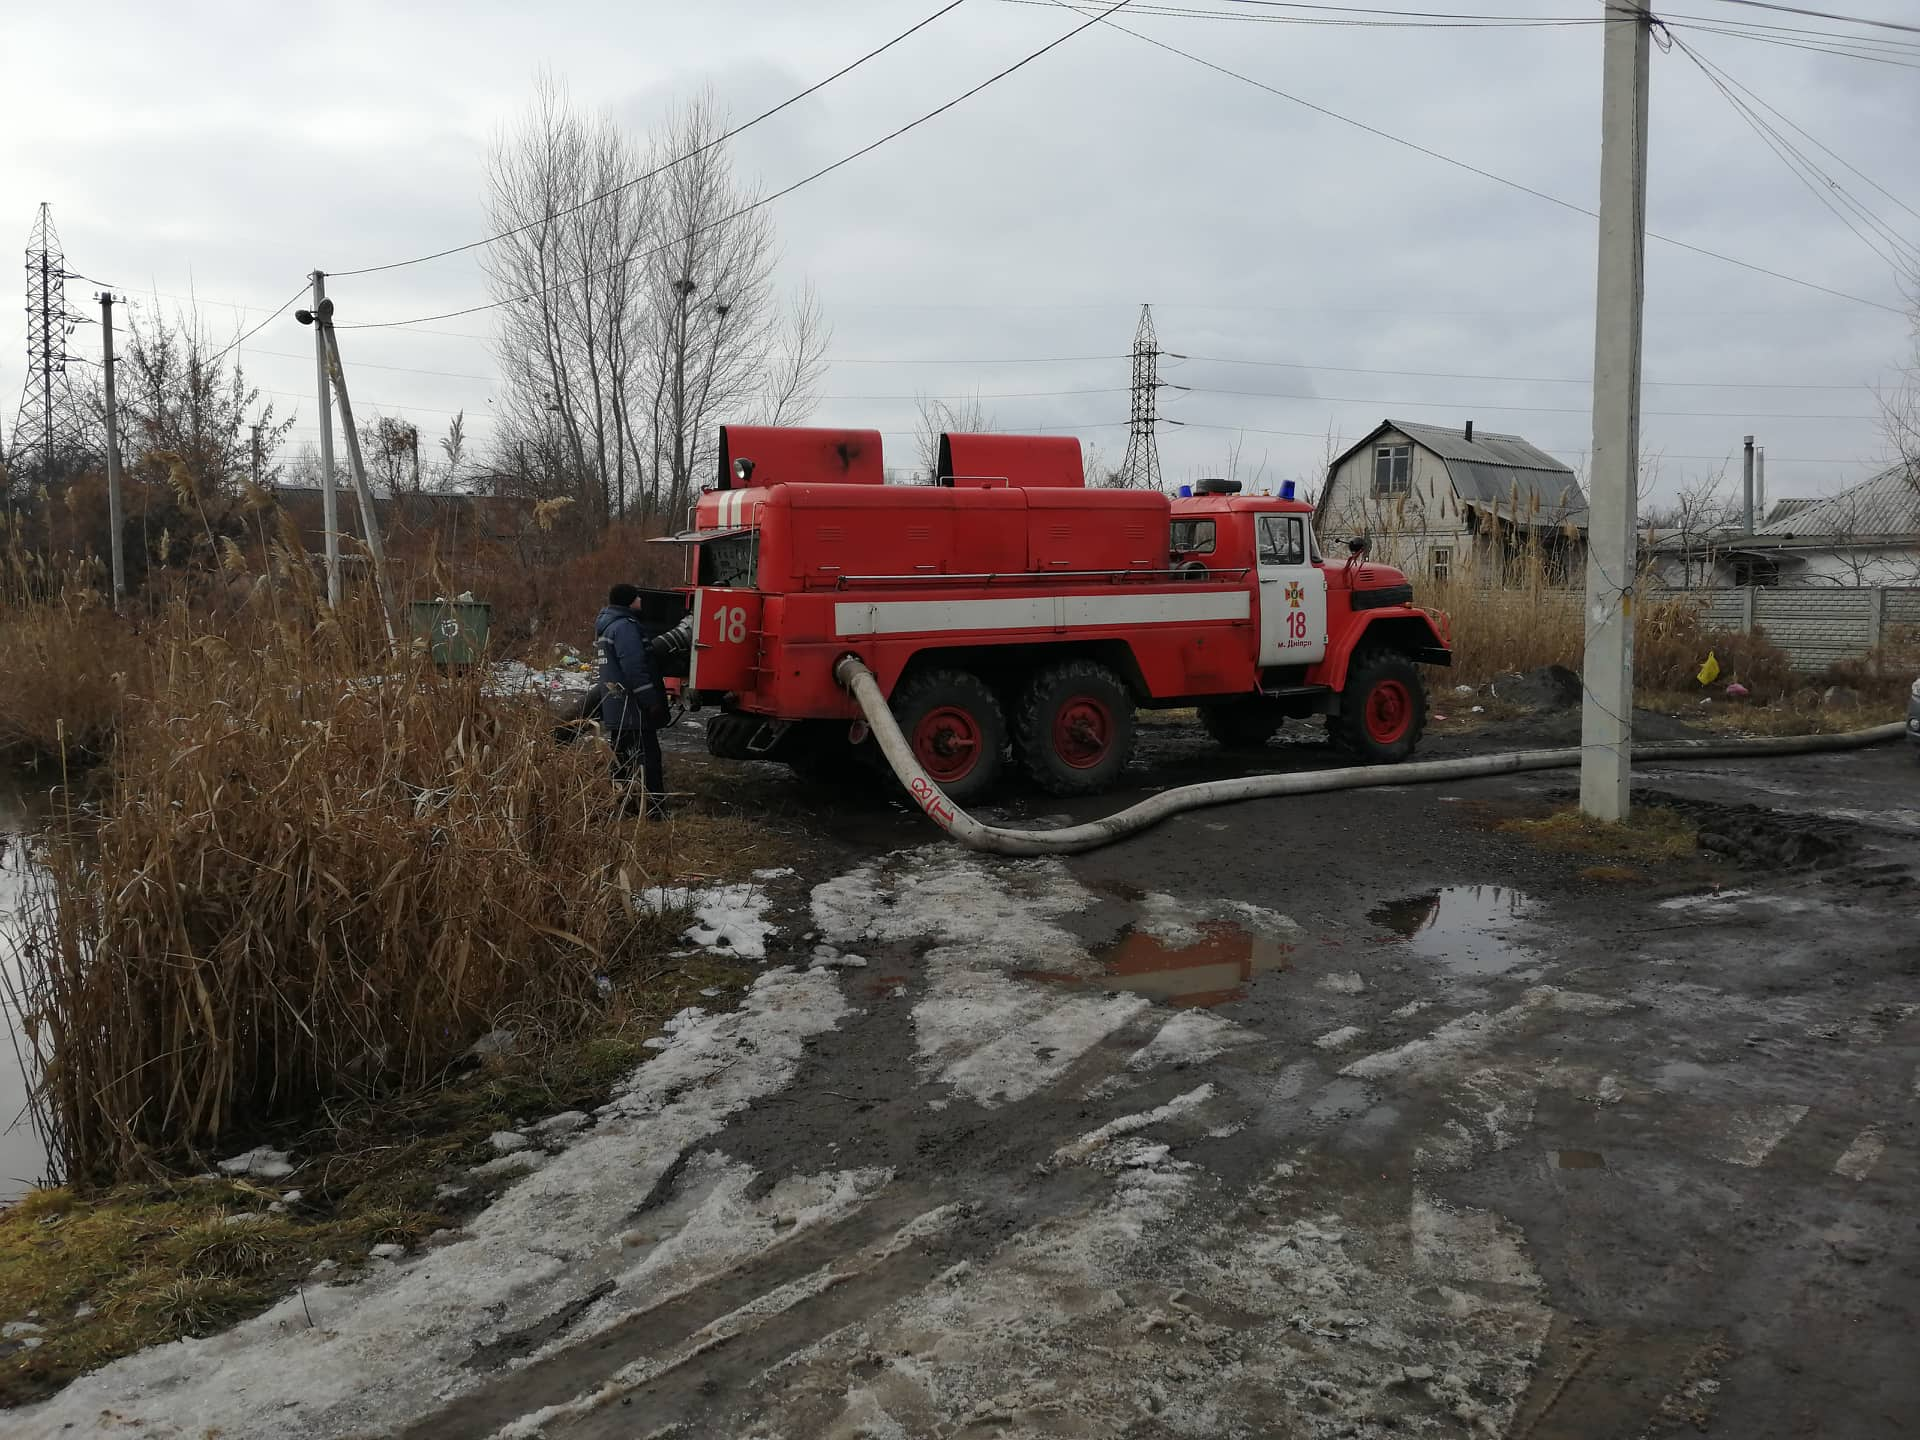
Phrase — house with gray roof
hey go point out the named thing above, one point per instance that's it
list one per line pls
(1868, 534)
(1440, 501)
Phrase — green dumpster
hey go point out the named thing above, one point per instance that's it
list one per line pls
(454, 632)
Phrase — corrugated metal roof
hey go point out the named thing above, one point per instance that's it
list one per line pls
(1888, 504)
(1492, 468)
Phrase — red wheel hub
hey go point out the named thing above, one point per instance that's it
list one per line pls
(946, 741)
(1082, 731)
(1388, 713)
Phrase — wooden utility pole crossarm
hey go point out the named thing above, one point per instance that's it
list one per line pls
(1606, 723)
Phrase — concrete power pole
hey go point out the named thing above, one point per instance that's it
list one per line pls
(369, 517)
(1606, 720)
(1760, 483)
(115, 522)
(329, 502)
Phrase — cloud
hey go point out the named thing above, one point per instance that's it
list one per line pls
(231, 149)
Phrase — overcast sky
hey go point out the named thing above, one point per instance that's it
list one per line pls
(226, 149)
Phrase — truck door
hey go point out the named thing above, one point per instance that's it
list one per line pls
(1293, 594)
(726, 638)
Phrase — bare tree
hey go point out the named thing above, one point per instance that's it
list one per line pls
(707, 289)
(791, 386)
(640, 308)
(965, 416)
(1691, 526)
(571, 276)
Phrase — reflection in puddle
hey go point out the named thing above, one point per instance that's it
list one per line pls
(1461, 926)
(1209, 970)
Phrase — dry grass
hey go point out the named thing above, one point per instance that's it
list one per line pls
(1651, 835)
(70, 668)
(303, 887)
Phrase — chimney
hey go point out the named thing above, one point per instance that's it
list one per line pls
(1469, 432)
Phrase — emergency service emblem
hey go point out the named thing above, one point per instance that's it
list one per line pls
(1296, 592)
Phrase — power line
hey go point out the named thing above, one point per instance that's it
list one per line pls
(285, 305)
(1458, 22)
(1511, 379)
(1810, 46)
(1457, 405)
(765, 200)
(1471, 168)
(662, 169)
(397, 369)
(1812, 177)
(1823, 15)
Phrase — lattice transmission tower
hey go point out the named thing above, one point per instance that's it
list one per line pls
(1141, 469)
(47, 431)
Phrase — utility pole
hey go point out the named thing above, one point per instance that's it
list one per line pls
(329, 503)
(1606, 720)
(1747, 486)
(1760, 483)
(253, 452)
(369, 517)
(114, 520)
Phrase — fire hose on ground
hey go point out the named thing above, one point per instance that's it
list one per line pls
(855, 677)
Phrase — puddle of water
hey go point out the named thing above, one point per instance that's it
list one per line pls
(1210, 970)
(23, 1159)
(1581, 1160)
(1462, 927)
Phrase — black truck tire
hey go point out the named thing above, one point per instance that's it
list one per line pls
(955, 726)
(1383, 708)
(1075, 729)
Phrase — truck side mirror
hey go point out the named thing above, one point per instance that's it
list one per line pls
(1359, 545)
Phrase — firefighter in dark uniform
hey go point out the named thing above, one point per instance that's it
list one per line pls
(633, 707)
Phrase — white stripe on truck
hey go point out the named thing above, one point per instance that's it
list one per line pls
(1043, 612)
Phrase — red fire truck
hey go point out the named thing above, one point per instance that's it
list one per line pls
(1014, 616)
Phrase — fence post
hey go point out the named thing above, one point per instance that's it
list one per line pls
(1876, 617)
(1746, 609)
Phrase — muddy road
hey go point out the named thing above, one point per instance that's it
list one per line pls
(1349, 1115)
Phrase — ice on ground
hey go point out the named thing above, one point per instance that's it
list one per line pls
(1343, 982)
(732, 918)
(729, 918)
(512, 677)
(1088, 1143)
(379, 1354)
(992, 1036)
(1472, 1032)
(1175, 922)
(260, 1163)
(1340, 1039)
(507, 1142)
(1189, 1037)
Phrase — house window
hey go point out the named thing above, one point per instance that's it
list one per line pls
(1440, 562)
(1392, 469)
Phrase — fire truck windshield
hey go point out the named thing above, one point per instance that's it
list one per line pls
(731, 560)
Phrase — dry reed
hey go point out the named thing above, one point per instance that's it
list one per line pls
(303, 883)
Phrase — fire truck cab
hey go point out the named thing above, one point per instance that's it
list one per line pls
(1017, 619)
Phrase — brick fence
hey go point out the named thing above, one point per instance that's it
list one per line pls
(1816, 627)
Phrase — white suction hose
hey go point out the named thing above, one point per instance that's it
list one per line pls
(1071, 839)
